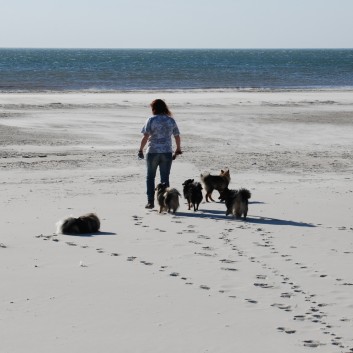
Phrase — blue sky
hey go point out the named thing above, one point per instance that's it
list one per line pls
(176, 23)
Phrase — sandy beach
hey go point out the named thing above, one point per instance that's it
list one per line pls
(190, 282)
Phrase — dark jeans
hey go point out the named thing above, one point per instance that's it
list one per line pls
(153, 161)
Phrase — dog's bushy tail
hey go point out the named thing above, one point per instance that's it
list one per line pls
(58, 227)
(245, 194)
(66, 226)
(172, 191)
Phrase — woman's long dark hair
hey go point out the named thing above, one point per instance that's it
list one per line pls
(160, 107)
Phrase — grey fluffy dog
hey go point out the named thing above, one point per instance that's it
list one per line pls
(88, 223)
(236, 201)
(168, 198)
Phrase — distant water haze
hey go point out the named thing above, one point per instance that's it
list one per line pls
(144, 69)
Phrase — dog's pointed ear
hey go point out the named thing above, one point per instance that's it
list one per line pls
(192, 180)
(222, 171)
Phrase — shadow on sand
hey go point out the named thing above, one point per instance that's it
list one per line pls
(220, 215)
(91, 235)
(278, 222)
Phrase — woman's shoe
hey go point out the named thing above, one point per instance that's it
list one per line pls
(149, 205)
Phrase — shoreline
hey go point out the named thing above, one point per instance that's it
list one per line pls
(181, 90)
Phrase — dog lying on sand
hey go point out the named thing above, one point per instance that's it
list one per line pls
(88, 223)
(168, 198)
(215, 182)
(236, 201)
(192, 193)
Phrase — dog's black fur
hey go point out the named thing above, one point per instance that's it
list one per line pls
(236, 201)
(88, 223)
(168, 198)
(192, 193)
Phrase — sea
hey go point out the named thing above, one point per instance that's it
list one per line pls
(31, 70)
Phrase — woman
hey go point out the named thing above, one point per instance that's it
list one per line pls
(157, 134)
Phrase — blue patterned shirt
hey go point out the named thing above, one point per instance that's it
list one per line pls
(160, 129)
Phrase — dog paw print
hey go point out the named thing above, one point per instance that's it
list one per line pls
(282, 306)
(146, 263)
(263, 285)
(251, 301)
(131, 258)
(286, 330)
(311, 343)
(174, 274)
(229, 269)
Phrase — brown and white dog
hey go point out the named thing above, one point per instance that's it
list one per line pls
(215, 182)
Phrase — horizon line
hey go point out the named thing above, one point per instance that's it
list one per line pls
(175, 48)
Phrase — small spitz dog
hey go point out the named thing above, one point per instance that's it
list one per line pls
(236, 201)
(168, 198)
(88, 223)
(192, 193)
(215, 182)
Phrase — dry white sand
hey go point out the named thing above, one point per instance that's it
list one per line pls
(190, 282)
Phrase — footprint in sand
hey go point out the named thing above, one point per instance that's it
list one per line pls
(71, 243)
(299, 318)
(203, 254)
(261, 276)
(229, 269)
(131, 258)
(282, 307)
(114, 254)
(146, 263)
(205, 287)
(174, 274)
(251, 301)
(286, 330)
(311, 343)
(226, 261)
(137, 217)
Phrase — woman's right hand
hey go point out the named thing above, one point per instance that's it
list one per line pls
(140, 155)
